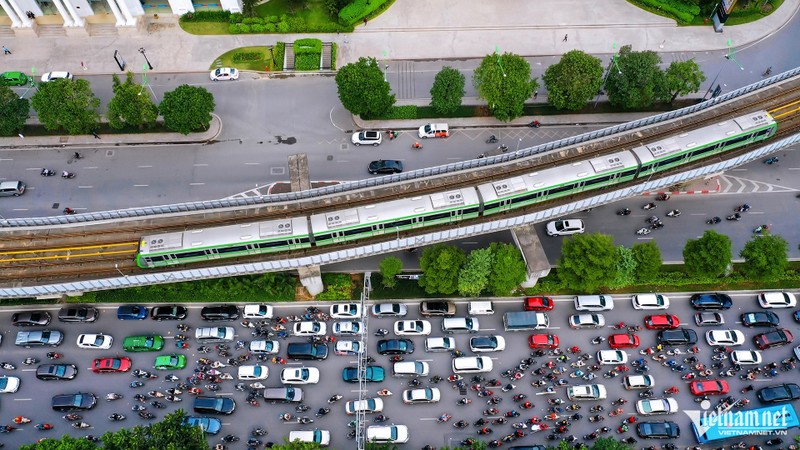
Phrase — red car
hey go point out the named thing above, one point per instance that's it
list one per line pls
(775, 338)
(661, 322)
(543, 341)
(710, 387)
(623, 341)
(539, 304)
(111, 365)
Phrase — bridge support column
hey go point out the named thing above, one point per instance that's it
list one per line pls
(298, 172)
(311, 279)
(527, 241)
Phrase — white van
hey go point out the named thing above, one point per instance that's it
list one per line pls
(321, 437)
(434, 130)
(411, 369)
(460, 325)
(480, 308)
(11, 188)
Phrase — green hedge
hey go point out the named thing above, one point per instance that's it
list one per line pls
(278, 52)
(275, 24)
(333, 56)
(247, 57)
(306, 61)
(207, 16)
(401, 112)
(307, 53)
(358, 10)
(338, 286)
(308, 45)
(684, 12)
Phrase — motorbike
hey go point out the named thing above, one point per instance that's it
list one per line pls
(598, 340)
(713, 221)
(48, 172)
(674, 213)
(147, 415)
(72, 417)
(743, 208)
(230, 438)
(503, 148)
(67, 175)
(649, 206)
(21, 419)
(444, 418)
(535, 124)
(380, 418)
(173, 398)
(337, 397)
(643, 231)
(492, 139)
(68, 211)
(8, 366)
(322, 411)
(158, 404)
(596, 418)
(771, 160)
(662, 197)
(624, 212)
(760, 229)
(136, 384)
(646, 394)
(491, 412)
(734, 216)
(464, 401)
(381, 332)
(598, 408)
(116, 417)
(416, 146)
(156, 394)
(30, 361)
(259, 432)
(44, 426)
(80, 425)
(113, 396)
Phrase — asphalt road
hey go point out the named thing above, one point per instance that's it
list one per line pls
(34, 395)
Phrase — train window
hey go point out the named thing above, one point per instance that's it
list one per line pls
(154, 259)
(236, 248)
(196, 254)
(472, 210)
(736, 140)
(271, 244)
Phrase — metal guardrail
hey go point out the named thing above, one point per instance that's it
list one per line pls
(282, 265)
(361, 423)
(385, 180)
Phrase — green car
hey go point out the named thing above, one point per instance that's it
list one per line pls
(143, 343)
(170, 362)
(13, 79)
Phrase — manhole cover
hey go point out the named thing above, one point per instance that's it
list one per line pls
(277, 170)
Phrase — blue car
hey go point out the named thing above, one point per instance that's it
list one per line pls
(395, 347)
(132, 312)
(371, 374)
(209, 425)
(711, 302)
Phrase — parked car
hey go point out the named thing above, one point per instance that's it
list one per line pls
(81, 401)
(760, 319)
(78, 314)
(217, 313)
(131, 312)
(13, 79)
(111, 365)
(662, 322)
(678, 336)
(52, 76)
(345, 311)
(383, 166)
(650, 301)
(784, 392)
(367, 137)
(30, 319)
(389, 309)
(437, 308)
(258, 312)
(56, 372)
(539, 304)
(169, 312)
(772, 339)
(224, 74)
(711, 302)
(564, 227)
(777, 300)
(658, 430)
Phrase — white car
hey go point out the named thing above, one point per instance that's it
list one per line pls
(253, 372)
(422, 395)
(350, 348)
(746, 357)
(95, 341)
(777, 300)
(346, 311)
(257, 312)
(612, 357)
(653, 406)
(309, 328)
(440, 344)
(480, 344)
(631, 382)
(347, 328)
(411, 369)
(300, 375)
(50, 76)
(321, 437)
(268, 347)
(10, 384)
(412, 328)
(472, 364)
(224, 74)
(578, 321)
(564, 227)
(725, 337)
(650, 301)
(389, 310)
(367, 137)
(593, 303)
(586, 392)
(387, 434)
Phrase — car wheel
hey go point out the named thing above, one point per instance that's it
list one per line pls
(357, 144)
(375, 144)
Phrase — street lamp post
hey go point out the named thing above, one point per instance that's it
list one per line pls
(141, 50)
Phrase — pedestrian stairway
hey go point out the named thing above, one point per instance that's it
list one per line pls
(325, 64)
(288, 57)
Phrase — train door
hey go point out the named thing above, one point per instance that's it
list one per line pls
(378, 229)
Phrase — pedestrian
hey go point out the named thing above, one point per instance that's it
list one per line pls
(83, 66)
(535, 94)
(365, 21)
(6, 51)
(94, 133)
(565, 38)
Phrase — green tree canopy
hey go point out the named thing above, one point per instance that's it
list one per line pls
(708, 256)
(249, 8)
(440, 266)
(609, 443)
(573, 81)
(505, 82)
(635, 81)
(66, 442)
(648, 260)
(508, 270)
(14, 111)
(296, 445)
(362, 89)
(626, 267)
(588, 261)
(187, 109)
(67, 104)
(447, 90)
(765, 257)
(390, 267)
(131, 105)
(474, 276)
(682, 78)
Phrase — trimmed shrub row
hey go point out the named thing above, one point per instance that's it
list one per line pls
(207, 16)
(247, 57)
(684, 12)
(359, 9)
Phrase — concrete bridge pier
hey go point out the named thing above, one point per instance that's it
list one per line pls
(528, 242)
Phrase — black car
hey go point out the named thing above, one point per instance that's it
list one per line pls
(385, 166)
(785, 392)
(678, 336)
(711, 302)
(30, 319)
(58, 372)
(307, 351)
(395, 347)
(219, 313)
(760, 319)
(658, 430)
(78, 314)
(74, 402)
(214, 405)
(173, 312)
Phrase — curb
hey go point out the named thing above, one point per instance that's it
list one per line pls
(689, 192)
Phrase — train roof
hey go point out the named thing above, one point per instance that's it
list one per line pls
(214, 236)
(394, 209)
(556, 176)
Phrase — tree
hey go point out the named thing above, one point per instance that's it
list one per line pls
(635, 81)
(14, 111)
(474, 276)
(440, 266)
(609, 443)
(573, 81)
(626, 267)
(682, 78)
(708, 256)
(508, 269)
(765, 257)
(130, 106)
(362, 89)
(588, 261)
(66, 442)
(564, 445)
(447, 90)
(505, 82)
(187, 109)
(296, 445)
(67, 104)
(390, 268)
(249, 7)
(648, 260)
(334, 6)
